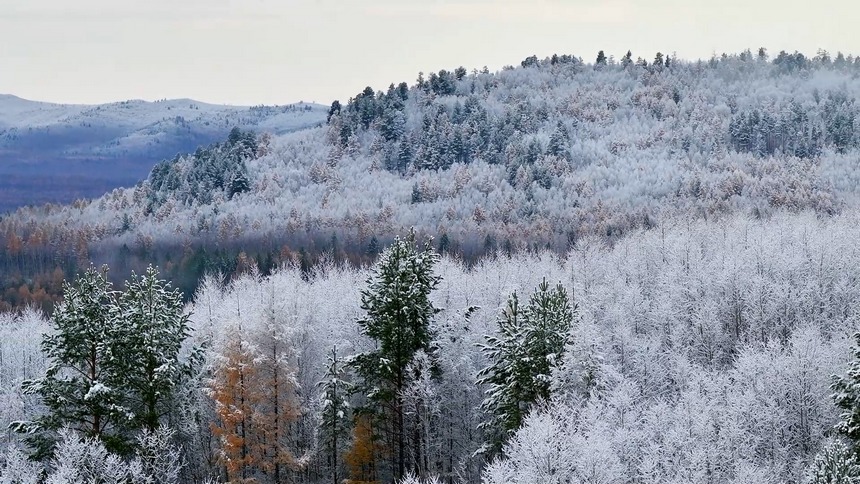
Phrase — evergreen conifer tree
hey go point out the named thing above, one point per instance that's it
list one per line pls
(836, 464)
(627, 60)
(530, 342)
(335, 414)
(76, 387)
(847, 397)
(145, 347)
(239, 184)
(398, 316)
(558, 142)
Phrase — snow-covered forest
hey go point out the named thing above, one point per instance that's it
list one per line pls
(620, 271)
(699, 352)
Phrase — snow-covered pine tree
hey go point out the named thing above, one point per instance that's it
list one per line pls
(549, 319)
(529, 345)
(835, 464)
(150, 328)
(398, 316)
(847, 397)
(76, 389)
(504, 377)
(335, 413)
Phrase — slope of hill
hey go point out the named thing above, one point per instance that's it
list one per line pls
(533, 157)
(115, 144)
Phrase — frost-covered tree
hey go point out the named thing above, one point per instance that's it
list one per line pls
(158, 457)
(530, 342)
(398, 312)
(81, 459)
(413, 479)
(835, 464)
(78, 459)
(422, 404)
(335, 413)
(553, 447)
(16, 468)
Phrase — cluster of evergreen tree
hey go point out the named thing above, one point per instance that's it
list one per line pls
(114, 374)
(530, 342)
(198, 178)
(117, 383)
(798, 130)
(461, 123)
(458, 131)
(395, 416)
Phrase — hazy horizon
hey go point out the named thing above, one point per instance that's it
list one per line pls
(269, 52)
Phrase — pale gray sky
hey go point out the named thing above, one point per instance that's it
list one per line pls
(268, 51)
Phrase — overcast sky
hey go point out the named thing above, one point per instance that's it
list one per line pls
(281, 51)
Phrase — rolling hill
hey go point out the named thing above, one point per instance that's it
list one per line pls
(60, 152)
(548, 155)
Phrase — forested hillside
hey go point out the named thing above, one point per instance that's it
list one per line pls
(526, 158)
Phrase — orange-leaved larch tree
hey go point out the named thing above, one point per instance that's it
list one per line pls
(276, 406)
(231, 390)
(361, 458)
(254, 390)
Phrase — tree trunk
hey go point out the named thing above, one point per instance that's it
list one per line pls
(277, 410)
(97, 418)
(244, 421)
(401, 441)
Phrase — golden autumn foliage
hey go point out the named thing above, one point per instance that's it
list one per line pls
(14, 244)
(254, 391)
(361, 458)
(233, 408)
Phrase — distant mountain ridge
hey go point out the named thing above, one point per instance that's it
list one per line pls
(116, 144)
